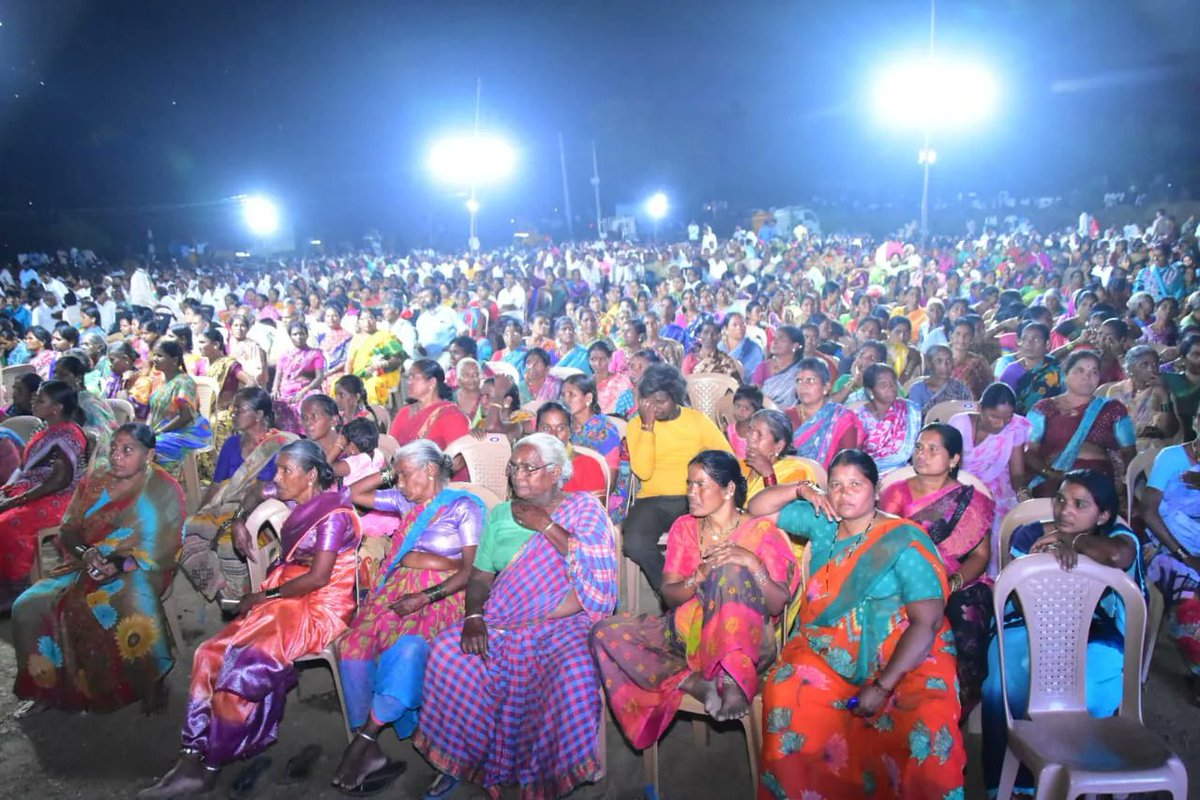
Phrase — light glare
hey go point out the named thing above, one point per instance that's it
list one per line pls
(938, 94)
(657, 206)
(261, 215)
(471, 159)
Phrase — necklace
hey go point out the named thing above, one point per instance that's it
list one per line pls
(855, 540)
(718, 536)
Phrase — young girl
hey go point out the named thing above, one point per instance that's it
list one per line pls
(746, 401)
(361, 458)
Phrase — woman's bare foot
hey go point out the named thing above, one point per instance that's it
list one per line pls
(703, 690)
(362, 757)
(189, 776)
(734, 703)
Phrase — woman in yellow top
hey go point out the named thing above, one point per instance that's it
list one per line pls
(375, 356)
(664, 436)
(770, 456)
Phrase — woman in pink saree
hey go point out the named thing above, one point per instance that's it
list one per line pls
(299, 373)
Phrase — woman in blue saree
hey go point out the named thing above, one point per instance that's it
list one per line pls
(1085, 523)
(175, 409)
(567, 351)
(742, 348)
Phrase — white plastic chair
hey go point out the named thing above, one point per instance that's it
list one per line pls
(942, 412)
(904, 473)
(1138, 468)
(705, 390)
(562, 373)
(122, 410)
(24, 426)
(1069, 752)
(1039, 509)
(388, 446)
(486, 460)
(489, 498)
(383, 418)
(8, 377)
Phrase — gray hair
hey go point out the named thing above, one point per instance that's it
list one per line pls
(423, 452)
(99, 339)
(1138, 297)
(1136, 352)
(552, 451)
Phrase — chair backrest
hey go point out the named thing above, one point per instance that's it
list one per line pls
(911, 382)
(269, 512)
(9, 375)
(942, 412)
(382, 418)
(820, 476)
(489, 498)
(904, 473)
(388, 446)
(724, 412)
(486, 460)
(207, 391)
(562, 373)
(1058, 606)
(621, 423)
(602, 461)
(1039, 509)
(1103, 389)
(705, 389)
(533, 406)
(1138, 469)
(25, 426)
(122, 410)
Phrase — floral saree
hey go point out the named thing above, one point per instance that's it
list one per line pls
(166, 403)
(891, 440)
(819, 436)
(88, 646)
(363, 352)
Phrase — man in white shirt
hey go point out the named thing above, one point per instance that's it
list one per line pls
(43, 312)
(141, 289)
(693, 232)
(437, 324)
(511, 298)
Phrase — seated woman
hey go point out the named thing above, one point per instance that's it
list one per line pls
(433, 415)
(247, 352)
(537, 383)
(1171, 507)
(966, 364)
(902, 356)
(739, 346)
(706, 358)
(776, 374)
(1076, 430)
(614, 392)
(55, 459)
(99, 422)
(99, 373)
(93, 636)
(567, 352)
(1147, 398)
(864, 695)
(510, 347)
(229, 377)
(1184, 383)
(376, 356)
(586, 475)
(746, 401)
(417, 594)
(510, 694)
(728, 576)
(1034, 375)
(890, 422)
(468, 395)
(822, 427)
(300, 372)
(24, 389)
(590, 428)
(322, 424)
(241, 676)
(938, 386)
(770, 458)
(123, 371)
(245, 464)
(958, 518)
(42, 353)
(350, 394)
(1085, 523)
(175, 410)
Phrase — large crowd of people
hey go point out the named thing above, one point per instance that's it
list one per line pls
(824, 536)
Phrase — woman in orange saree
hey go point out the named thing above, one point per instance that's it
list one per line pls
(241, 677)
(862, 702)
(727, 576)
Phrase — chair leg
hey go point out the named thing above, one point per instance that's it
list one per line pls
(1048, 783)
(1008, 775)
(650, 767)
(331, 660)
(602, 739)
(753, 723)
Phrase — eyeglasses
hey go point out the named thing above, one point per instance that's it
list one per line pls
(525, 469)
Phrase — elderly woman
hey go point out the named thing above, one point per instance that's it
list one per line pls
(1076, 430)
(246, 463)
(770, 457)
(567, 352)
(468, 395)
(727, 577)
(863, 696)
(538, 384)
(994, 440)
(1034, 375)
(300, 372)
(890, 422)
(706, 358)
(417, 594)
(93, 635)
(958, 518)
(822, 427)
(100, 371)
(937, 386)
(1085, 523)
(510, 694)
(433, 415)
(53, 463)
(1147, 398)
(614, 392)
(241, 676)
(663, 439)
(175, 409)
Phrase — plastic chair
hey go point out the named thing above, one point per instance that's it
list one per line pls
(388, 446)
(1069, 752)
(533, 406)
(621, 423)
(489, 498)
(189, 474)
(633, 572)
(1138, 468)
(820, 476)
(1155, 610)
(562, 373)
(383, 417)
(9, 375)
(1103, 389)
(122, 410)
(725, 410)
(942, 412)
(24, 426)
(904, 473)
(207, 391)
(486, 460)
(1039, 509)
(705, 389)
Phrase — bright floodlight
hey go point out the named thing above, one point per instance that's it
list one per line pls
(657, 206)
(261, 215)
(472, 159)
(473, 205)
(939, 94)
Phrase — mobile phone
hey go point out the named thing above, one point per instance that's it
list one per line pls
(229, 604)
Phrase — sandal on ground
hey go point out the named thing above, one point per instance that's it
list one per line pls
(448, 784)
(247, 779)
(377, 781)
(300, 766)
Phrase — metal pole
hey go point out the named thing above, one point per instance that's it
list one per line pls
(596, 189)
(471, 197)
(926, 150)
(925, 201)
(562, 158)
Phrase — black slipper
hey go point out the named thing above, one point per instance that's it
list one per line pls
(377, 781)
(300, 767)
(243, 784)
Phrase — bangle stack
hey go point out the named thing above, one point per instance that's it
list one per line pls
(435, 593)
(760, 575)
(272, 593)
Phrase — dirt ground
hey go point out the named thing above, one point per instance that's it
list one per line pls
(57, 756)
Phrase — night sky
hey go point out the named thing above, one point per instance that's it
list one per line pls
(117, 113)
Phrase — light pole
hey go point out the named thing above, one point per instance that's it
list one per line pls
(657, 207)
(261, 216)
(470, 160)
